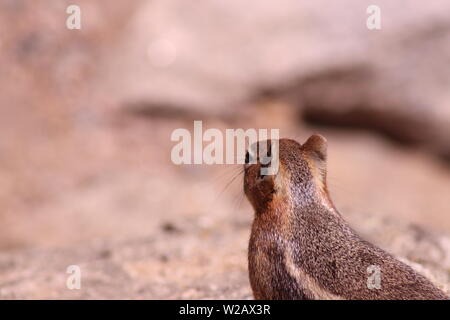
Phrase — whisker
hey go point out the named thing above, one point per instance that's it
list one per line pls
(236, 197)
(241, 197)
(224, 173)
(229, 183)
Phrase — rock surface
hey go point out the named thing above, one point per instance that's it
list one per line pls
(176, 264)
(219, 54)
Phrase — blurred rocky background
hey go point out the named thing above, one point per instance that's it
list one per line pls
(86, 117)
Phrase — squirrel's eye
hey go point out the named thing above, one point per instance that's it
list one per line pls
(247, 158)
(260, 174)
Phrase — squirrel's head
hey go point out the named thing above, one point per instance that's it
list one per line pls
(300, 179)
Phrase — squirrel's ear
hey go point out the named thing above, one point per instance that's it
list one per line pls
(317, 145)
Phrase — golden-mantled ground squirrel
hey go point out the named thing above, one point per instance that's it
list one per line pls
(301, 247)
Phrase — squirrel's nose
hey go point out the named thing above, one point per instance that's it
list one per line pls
(247, 157)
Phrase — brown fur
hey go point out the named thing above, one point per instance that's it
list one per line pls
(300, 246)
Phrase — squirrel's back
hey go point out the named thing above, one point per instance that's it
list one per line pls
(300, 246)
